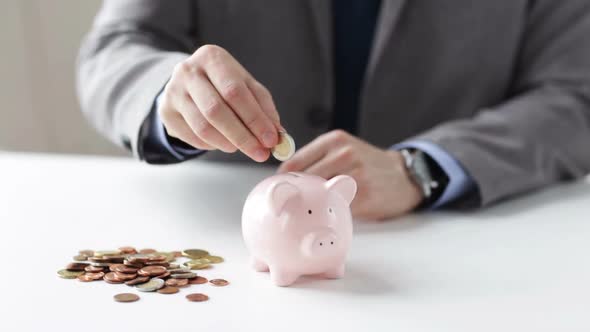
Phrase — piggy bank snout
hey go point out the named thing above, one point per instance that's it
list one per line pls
(321, 243)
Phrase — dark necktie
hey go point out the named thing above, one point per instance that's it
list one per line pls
(354, 27)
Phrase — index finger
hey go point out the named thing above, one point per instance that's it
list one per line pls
(229, 78)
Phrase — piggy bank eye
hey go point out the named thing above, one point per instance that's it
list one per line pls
(330, 210)
(308, 211)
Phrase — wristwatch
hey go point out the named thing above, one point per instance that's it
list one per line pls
(425, 173)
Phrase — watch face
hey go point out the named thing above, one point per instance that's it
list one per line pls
(422, 171)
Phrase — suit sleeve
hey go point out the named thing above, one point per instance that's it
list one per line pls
(125, 61)
(541, 134)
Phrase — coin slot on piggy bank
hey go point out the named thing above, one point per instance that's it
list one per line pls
(298, 224)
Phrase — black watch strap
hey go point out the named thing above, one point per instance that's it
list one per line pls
(427, 174)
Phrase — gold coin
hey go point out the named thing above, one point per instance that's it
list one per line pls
(69, 274)
(214, 259)
(194, 253)
(197, 264)
(286, 147)
(86, 252)
(103, 253)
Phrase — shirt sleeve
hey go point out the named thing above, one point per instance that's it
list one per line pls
(160, 138)
(460, 182)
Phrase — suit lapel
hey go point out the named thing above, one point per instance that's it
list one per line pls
(386, 23)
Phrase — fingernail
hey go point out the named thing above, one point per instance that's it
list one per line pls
(268, 139)
(260, 155)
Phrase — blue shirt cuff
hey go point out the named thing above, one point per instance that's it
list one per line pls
(160, 137)
(459, 180)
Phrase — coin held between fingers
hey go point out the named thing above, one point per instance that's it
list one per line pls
(286, 147)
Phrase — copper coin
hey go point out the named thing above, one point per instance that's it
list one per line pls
(138, 258)
(90, 276)
(219, 282)
(176, 254)
(136, 265)
(147, 251)
(95, 275)
(92, 268)
(107, 259)
(125, 276)
(151, 271)
(176, 282)
(122, 269)
(98, 259)
(197, 297)
(76, 266)
(85, 278)
(126, 297)
(164, 275)
(168, 290)
(128, 250)
(157, 258)
(137, 281)
(158, 263)
(87, 253)
(116, 259)
(112, 278)
(197, 281)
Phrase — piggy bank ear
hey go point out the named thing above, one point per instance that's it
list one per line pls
(279, 194)
(343, 185)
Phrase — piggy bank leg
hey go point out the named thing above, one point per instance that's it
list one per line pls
(282, 277)
(335, 273)
(258, 265)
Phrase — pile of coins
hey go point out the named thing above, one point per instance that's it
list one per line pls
(146, 270)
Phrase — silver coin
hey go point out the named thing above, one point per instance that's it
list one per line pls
(100, 264)
(153, 285)
(188, 275)
(179, 270)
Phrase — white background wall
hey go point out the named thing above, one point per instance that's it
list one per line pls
(39, 41)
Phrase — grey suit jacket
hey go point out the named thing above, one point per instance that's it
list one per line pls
(503, 86)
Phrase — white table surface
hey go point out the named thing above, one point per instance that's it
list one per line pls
(519, 266)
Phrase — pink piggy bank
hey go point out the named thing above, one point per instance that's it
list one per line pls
(297, 224)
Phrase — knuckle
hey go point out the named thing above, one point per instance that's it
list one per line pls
(205, 130)
(244, 142)
(173, 88)
(360, 175)
(254, 123)
(182, 68)
(338, 136)
(232, 91)
(213, 109)
(347, 154)
(208, 52)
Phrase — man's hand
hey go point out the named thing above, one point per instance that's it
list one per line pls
(212, 102)
(385, 189)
